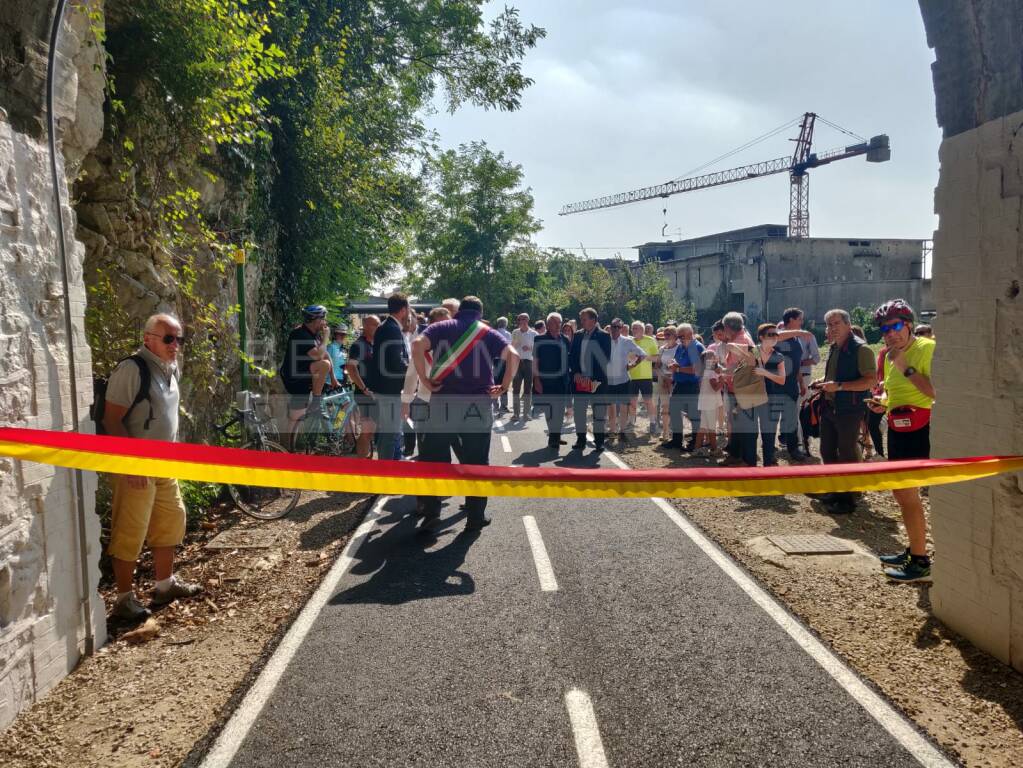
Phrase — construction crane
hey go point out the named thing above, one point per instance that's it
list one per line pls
(802, 160)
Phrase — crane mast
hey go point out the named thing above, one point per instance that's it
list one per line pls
(877, 150)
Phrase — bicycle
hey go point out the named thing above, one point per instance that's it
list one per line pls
(333, 431)
(257, 432)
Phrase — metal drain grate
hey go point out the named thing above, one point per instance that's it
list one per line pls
(811, 544)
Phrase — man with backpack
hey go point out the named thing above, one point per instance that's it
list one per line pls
(142, 400)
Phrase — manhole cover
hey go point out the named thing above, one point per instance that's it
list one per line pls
(811, 544)
(242, 539)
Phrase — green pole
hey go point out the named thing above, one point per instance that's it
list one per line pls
(239, 260)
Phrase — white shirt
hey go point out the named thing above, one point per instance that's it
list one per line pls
(618, 365)
(523, 342)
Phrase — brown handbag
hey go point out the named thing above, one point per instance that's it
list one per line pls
(750, 390)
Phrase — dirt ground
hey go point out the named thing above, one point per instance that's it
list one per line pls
(967, 701)
(151, 703)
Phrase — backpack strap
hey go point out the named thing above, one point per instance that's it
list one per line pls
(145, 381)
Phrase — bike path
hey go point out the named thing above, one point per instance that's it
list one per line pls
(447, 653)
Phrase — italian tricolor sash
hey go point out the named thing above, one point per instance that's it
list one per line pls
(447, 362)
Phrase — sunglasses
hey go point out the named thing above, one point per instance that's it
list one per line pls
(167, 338)
(898, 325)
(771, 335)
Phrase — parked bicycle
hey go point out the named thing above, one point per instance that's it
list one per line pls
(255, 429)
(332, 432)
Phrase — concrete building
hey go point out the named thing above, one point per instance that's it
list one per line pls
(760, 271)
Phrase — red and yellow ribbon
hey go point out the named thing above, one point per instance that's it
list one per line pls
(185, 461)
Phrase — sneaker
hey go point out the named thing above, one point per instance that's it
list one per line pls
(914, 570)
(876, 458)
(730, 461)
(899, 560)
(129, 608)
(176, 589)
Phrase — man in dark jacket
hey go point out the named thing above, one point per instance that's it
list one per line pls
(550, 378)
(587, 366)
(850, 374)
(390, 362)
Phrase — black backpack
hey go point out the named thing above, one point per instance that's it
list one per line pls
(99, 393)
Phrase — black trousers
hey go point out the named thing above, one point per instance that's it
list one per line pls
(874, 427)
(462, 425)
(840, 436)
(598, 404)
(788, 405)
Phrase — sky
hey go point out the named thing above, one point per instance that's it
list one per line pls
(630, 93)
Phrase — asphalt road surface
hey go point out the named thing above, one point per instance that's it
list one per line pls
(568, 633)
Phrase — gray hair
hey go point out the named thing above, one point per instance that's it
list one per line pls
(838, 313)
(640, 323)
(501, 322)
(734, 321)
(555, 316)
(684, 327)
(155, 321)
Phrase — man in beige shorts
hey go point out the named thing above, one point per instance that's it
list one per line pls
(146, 509)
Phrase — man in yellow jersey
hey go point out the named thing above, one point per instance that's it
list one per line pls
(907, 398)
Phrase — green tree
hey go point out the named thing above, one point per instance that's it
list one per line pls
(348, 127)
(475, 229)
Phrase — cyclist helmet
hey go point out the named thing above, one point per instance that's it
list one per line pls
(313, 312)
(896, 308)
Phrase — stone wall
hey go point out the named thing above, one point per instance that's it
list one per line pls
(978, 370)
(41, 595)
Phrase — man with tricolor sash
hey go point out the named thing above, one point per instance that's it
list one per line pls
(460, 411)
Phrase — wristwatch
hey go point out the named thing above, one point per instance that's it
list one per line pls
(910, 370)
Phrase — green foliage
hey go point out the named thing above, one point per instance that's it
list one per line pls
(349, 129)
(199, 499)
(475, 228)
(209, 58)
(864, 318)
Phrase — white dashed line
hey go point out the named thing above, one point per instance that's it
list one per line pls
(584, 727)
(506, 443)
(241, 721)
(543, 563)
(886, 715)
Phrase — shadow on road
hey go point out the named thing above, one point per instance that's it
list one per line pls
(406, 565)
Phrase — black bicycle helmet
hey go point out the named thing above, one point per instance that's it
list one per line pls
(313, 312)
(896, 308)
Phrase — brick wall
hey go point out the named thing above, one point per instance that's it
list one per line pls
(41, 594)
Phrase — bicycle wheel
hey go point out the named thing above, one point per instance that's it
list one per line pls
(264, 503)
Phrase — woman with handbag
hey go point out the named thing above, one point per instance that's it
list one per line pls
(754, 414)
(907, 399)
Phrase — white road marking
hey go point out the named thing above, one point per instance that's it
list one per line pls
(887, 716)
(506, 443)
(588, 745)
(543, 563)
(241, 721)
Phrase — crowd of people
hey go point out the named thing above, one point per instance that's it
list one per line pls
(443, 380)
(738, 397)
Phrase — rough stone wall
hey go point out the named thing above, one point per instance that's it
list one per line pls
(978, 369)
(41, 595)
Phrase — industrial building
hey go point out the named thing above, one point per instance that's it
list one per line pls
(761, 270)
